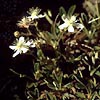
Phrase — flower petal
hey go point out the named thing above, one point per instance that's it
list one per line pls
(62, 26)
(12, 47)
(30, 42)
(41, 16)
(78, 25)
(16, 53)
(24, 50)
(70, 28)
(33, 45)
(73, 19)
(21, 39)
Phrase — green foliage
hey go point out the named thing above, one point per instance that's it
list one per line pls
(71, 10)
(62, 11)
(67, 64)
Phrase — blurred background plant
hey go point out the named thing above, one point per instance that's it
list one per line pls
(64, 57)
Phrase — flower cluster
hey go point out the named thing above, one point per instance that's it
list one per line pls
(22, 47)
(28, 20)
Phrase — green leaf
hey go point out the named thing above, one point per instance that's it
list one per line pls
(99, 8)
(40, 54)
(36, 67)
(97, 47)
(84, 17)
(91, 8)
(51, 86)
(50, 96)
(94, 95)
(36, 92)
(62, 11)
(97, 73)
(68, 85)
(79, 86)
(60, 78)
(31, 85)
(38, 75)
(67, 96)
(94, 70)
(78, 58)
(80, 82)
(71, 10)
(80, 95)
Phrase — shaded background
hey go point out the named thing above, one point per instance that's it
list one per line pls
(10, 12)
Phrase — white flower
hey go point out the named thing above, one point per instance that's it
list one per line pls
(24, 23)
(21, 46)
(34, 13)
(70, 24)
